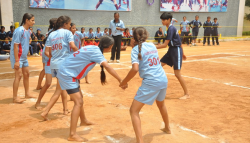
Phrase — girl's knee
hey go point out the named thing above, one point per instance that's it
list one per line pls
(79, 103)
(133, 111)
(26, 74)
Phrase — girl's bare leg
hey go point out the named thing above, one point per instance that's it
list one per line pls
(84, 121)
(136, 121)
(47, 84)
(183, 84)
(26, 74)
(18, 77)
(40, 79)
(87, 79)
(52, 101)
(64, 102)
(78, 104)
(164, 114)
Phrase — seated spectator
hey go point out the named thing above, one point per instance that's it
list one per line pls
(98, 35)
(32, 34)
(83, 32)
(6, 46)
(10, 33)
(106, 31)
(38, 34)
(131, 32)
(42, 40)
(2, 35)
(35, 46)
(89, 38)
(110, 33)
(126, 37)
(159, 36)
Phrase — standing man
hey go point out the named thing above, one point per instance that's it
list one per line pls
(116, 28)
(185, 29)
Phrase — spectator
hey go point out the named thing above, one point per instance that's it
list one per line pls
(42, 41)
(32, 35)
(98, 34)
(185, 29)
(83, 32)
(131, 32)
(116, 28)
(159, 36)
(110, 33)
(89, 37)
(126, 37)
(38, 47)
(106, 32)
(30, 47)
(6, 46)
(38, 34)
(10, 33)
(2, 35)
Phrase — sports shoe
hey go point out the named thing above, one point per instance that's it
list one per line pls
(118, 61)
(111, 61)
(203, 44)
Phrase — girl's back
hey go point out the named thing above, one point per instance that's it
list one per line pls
(150, 68)
(59, 42)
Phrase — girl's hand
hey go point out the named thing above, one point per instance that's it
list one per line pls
(184, 57)
(123, 85)
(17, 65)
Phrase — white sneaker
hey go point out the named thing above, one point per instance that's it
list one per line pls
(195, 44)
(118, 61)
(110, 61)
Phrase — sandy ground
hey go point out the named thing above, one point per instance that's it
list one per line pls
(218, 111)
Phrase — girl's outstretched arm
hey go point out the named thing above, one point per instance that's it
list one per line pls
(131, 74)
(164, 45)
(111, 71)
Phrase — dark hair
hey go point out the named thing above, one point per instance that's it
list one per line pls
(25, 17)
(208, 17)
(82, 28)
(133, 28)
(72, 24)
(105, 29)
(61, 20)
(159, 28)
(215, 18)
(12, 27)
(116, 13)
(2, 27)
(184, 16)
(126, 29)
(52, 23)
(196, 15)
(90, 28)
(105, 42)
(166, 16)
(97, 28)
(140, 35)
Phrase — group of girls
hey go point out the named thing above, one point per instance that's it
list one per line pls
(67, 59)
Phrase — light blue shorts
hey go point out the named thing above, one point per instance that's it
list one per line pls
(67, 82)
(23, 63)
(148, 96)
(47, 69)
(54, 72)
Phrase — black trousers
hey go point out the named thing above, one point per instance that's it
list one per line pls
(186, 36)
(35, 47)
(116, 49)
(215, 37)
(159, 39)
(207, 37)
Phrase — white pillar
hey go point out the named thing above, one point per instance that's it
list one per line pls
(241, 17)
(7, 14)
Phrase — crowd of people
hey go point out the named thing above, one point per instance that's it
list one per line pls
(189, 31)
(5, 40)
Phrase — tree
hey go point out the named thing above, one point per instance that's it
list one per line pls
(247, 3)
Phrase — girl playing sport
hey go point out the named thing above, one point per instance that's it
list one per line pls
(18, 56)
(58, 48)
(145, 59)
(76, 67)
(79, 42)
(175, 52)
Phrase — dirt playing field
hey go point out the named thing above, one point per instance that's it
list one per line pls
(218, 111)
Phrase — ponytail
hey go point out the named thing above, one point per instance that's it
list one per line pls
(105, 42)
(61, 20)
(25, 17)
(103, 75)
(139, 47)
(140, 35)
(52, 23)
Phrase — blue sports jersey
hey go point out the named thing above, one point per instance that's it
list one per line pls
(78, 65)
(131, 32)
(107, 33)
(215, 28)
(150, 68)
(207, 27)
(195, 25)
(98, 35)
(173, 21)
(21, 36)
(173, 36)
(84, 34)
(185, 25)
(78, 40)
(59, 42)
(90, 35)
